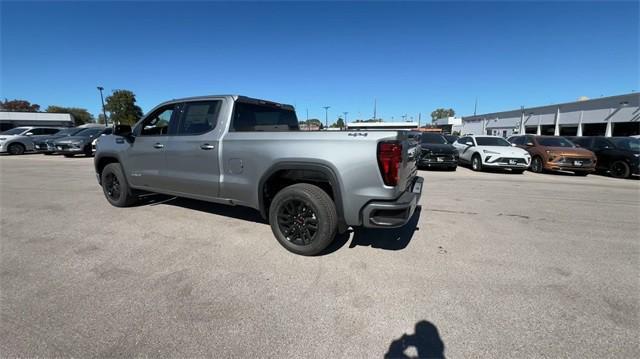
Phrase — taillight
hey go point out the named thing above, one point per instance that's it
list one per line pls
(389, 158)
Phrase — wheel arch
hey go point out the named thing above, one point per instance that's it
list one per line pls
(298, 170)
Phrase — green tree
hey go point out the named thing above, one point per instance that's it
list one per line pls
(339, 123)
(81, 115)
(19, 105)
(313, 122)
(442, 113)
(122, 107)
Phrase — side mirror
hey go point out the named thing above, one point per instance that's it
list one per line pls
(29, 134)
(122, 130)
(529, 144)
(514, 145)
(469, 143)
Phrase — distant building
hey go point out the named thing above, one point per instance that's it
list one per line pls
(10, 119)
(449, 124)
(605, 116)
(382, 125)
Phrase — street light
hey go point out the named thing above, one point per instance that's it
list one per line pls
(326, 116)
(345, 118)
(104, 112)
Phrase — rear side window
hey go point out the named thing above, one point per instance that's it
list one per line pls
(199, 117)
(263, 117)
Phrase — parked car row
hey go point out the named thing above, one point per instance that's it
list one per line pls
(617, 156)
(68, 141)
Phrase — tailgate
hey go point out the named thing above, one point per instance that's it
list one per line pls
(409, 166)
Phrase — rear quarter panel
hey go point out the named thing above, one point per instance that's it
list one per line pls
(246, 157)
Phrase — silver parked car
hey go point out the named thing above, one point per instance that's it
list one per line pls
(19, 140)
(242, 151)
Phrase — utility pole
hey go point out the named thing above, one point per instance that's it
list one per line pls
(345, 117)
(326, 116)
(375, 102)
(419, 118)
(475, 107)
(104, 113)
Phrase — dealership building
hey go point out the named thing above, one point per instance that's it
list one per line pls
(11, 119)
(605, 116)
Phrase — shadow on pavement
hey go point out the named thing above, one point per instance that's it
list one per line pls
(426, 341)
(238, 212)
(390, 239)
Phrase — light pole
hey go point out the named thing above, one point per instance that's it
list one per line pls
(104, 112)
(345, 118)
(326, 116)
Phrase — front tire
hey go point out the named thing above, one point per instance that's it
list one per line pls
(303, 219)
(115, 186)
(581, 173)
(536, 165)
(16, 149)
(476, 163)
(517, 172)
(619, 169)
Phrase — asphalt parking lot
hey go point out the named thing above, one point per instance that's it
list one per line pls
(499, 265)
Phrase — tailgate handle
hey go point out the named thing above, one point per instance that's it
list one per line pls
(207, 146)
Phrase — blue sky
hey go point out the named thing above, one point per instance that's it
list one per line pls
(412, 57)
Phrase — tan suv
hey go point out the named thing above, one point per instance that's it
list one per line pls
(555, 153)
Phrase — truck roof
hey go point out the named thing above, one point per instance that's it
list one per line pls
(234, 98)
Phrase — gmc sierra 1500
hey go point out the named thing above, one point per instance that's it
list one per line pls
(242, 151)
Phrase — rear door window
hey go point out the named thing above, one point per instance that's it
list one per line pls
(199, 117)
(263, 117)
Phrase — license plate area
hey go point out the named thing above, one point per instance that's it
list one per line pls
(513, 162)
(577, 163)
(440, 159)
(417, 187)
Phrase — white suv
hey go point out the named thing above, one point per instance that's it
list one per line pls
(491, 151)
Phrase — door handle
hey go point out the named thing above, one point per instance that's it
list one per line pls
(207, 146)
(158, 145)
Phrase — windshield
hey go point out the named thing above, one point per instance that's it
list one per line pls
(87, 132)
(15, 131)
(433, 138)
(492, 141)
(627, 143)
(554, 142)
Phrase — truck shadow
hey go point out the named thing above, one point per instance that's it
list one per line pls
(392, 239)
(426, 342)
(238, 212)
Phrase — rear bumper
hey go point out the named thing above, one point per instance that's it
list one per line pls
(395, 213)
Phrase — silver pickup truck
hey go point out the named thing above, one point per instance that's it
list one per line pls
(242, 151)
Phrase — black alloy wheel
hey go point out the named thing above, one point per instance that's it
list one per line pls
(298, 222)
(112, 186)
(16, 149)
(619, 169)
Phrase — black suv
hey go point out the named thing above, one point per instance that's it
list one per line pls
(436, 152)
(618, 156)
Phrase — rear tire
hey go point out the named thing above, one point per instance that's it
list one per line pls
(303, 219)
(16, 149)
(88, 152)
(619, 169)
(536, 165)
(115, 186)
(476, 163)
